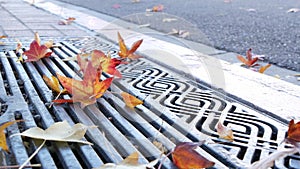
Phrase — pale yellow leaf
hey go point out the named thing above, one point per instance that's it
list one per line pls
(131, 162)
(59, 131)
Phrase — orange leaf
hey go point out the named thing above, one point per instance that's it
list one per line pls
(184, 156)
(294, 131)
(36, 52)
(158, 8)
(3, 144)
(130, 100)
(89, 89)
(124, 52)
(53, 83)
(262, 69)
(63, 101)
(224, 132)
(248, 63)
(102, 62)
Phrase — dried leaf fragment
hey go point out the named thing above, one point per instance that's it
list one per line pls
(262, 69)
(3, 144)
(130, 100)
(249, 61)
(224, 132)
(131, 162)
(53, 83)
(59, 131)
(184, 156)
(67, 21)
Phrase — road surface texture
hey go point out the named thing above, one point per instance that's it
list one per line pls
(270, 28)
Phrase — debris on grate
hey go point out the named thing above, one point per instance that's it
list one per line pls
(175, 109)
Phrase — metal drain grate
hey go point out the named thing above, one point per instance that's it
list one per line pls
(175, 109)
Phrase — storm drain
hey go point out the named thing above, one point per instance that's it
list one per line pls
(175, 109)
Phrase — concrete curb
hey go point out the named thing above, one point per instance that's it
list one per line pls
(264, 92)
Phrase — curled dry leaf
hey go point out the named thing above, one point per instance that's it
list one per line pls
(53, 83)
(59, 131)
(224, 132)
(124, 52)
(262, 69)
(184, 156)
(269, 161)
(131, 162)
(86, 91)
(130, 100)
(3, 144)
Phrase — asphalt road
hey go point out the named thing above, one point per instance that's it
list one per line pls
(263, 25)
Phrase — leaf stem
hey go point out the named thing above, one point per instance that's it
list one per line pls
(32, 155)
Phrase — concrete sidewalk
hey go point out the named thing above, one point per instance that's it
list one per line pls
(20, 19)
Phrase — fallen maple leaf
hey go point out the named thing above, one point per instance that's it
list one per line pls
(53, 83)
(3, 36)
(269, 161)
(36, 52)
(131, 162)
(130, 100)
(124, 52)
(59, 131)
(293, 134)
(184, 156)
(262, 69)
(224, 132)
(249, 61)
(3, 144)
(102, 62)
(88, 90)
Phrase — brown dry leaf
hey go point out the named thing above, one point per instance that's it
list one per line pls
(53, 83)
(131, 162)
(184, 156)
(3, 36)
(3, 144)
(224, 132)
(59, 131)
(269, 161)
(130, 100)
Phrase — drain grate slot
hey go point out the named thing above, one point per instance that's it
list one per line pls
(175, 109)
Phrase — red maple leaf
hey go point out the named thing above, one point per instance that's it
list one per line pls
(37, 51)
(85, 91)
